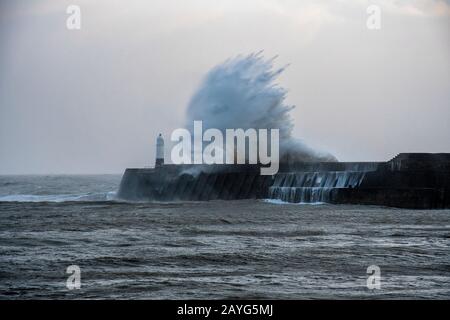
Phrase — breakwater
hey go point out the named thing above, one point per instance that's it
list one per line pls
(409, 180)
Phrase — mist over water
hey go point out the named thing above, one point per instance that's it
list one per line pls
(242, 93)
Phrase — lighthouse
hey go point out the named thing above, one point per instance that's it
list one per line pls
(159, 151)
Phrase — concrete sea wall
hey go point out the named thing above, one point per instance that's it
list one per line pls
(407, 181)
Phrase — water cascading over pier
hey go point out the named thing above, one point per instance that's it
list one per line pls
(312, 187)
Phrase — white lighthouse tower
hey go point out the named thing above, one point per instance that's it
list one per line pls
(159, 151)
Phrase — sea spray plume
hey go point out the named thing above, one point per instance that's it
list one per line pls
(242, 93)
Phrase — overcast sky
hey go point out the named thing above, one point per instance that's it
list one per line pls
(93, 100)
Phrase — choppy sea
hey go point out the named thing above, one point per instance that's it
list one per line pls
(209, 250)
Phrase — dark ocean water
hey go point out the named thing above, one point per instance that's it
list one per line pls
(217, 249)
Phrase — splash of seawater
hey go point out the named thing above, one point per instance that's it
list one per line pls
(242, 93)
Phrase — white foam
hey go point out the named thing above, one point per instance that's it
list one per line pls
(107, 196)
(278, 201)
